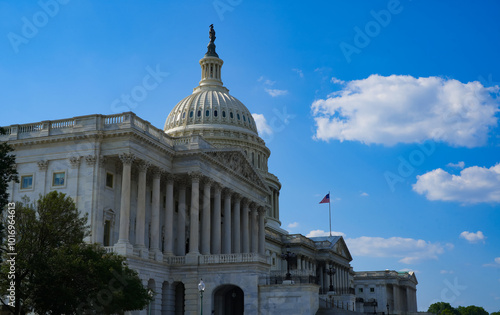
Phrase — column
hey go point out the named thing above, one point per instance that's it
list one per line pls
(124, 246)
(245, 244)
(194, 232)
(299, 262)
(226, 244)
(277, 205)
(262, 231)
(216, 221)
(254, 226)
(169, 216)
(141, 210)
(205, 225)
(181, 222)
(155, 216)
(321, 280)
(236, 224)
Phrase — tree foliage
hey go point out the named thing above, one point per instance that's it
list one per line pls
(57, 273)
(441, 308)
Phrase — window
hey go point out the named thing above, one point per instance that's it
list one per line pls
(360, 290)
(107, 233)
(238, 116)
(253, 159)
(372, 290)
(191, 114)
(231, 115)
(207, 113)
(164, 201)
(58, 179)
(27, 182)
(244, 119)
(215, 113)
(183, 115)
(199, 113)
(224, 114)
(109, 180)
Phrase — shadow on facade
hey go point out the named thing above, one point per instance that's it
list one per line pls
(228, 300)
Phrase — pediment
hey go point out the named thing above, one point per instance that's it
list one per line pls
(236, 161)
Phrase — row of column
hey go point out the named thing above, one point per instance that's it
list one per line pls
(275, 205)
(340, 278)
(244, 221)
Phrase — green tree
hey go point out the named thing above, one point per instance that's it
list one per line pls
(472, 310)
(495, 313)
(442, 308)
(53, 261)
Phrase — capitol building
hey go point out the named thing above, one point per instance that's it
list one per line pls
(196, 200)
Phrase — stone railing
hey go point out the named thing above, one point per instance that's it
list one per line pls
(109, 249)
(233, 258)
(300, 239)
(85, 123)
(175, 260)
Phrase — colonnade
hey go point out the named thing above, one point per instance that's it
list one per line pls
(220, 222)
(340, 278)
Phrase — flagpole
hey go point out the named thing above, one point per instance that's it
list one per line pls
(330, 211)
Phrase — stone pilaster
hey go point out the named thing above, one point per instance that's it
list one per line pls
(123, 246)
(141, 210)
(181, 228)
(216, 221)
(262, 231)
(206, 215)
(236, 224)
(226, 243)
(245, 234)
(254, 229)
(169, 216)
(194, 232)
(155, 216)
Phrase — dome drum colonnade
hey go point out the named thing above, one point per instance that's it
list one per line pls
(236, 226)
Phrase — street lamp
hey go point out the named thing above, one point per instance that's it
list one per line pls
(288, 256)
(151, 294)
(201, 288)
(387, 308)
(331, 271)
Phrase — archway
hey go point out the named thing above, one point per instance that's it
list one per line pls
(228, 300)
(179, 298)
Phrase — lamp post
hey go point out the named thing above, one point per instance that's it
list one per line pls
(387, 308)
(288, 256)
(151, 294)
(331, 271)
(201, 288)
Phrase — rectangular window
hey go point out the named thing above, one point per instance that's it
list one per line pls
(372, 290)
(109, 180)
(27, 182)
(164, 201)
(360, 290)
(107, 233)
(58, 179)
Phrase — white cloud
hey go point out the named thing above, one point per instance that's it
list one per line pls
(337, 81)
(276, 92)
(460, 164)
(446, 272)
(405, 109)
(266, 81)
(474, 185)
(316, 233)
(262, 126)
(364, 194)
(293, 225)
(408, 250)
(299, 72)
(472, 237)
(496, 264)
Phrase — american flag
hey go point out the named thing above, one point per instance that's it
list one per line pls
(326, 199)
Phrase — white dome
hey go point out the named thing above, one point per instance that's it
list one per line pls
(210, 107)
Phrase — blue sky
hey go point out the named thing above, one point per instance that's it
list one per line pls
(390, 105)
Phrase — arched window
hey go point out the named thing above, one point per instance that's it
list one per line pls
(215, 113)
(199, 113)
(231, 115)
(253, 159)
(224, 114)
(238, 116)
(191, 114)
(207, 113)
(244, 119)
